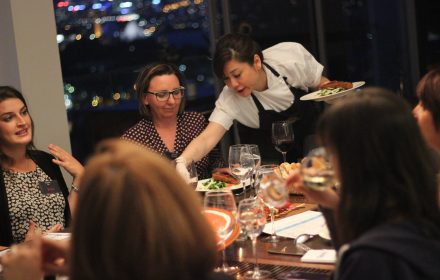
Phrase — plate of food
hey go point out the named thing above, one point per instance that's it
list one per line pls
(220, 181)
(332, 90)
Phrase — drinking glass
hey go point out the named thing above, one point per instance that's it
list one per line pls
(317, 171)
(223, 201)
(255, 153)
(241, 162)
(282, 136)
(252, 219)
(193, 176)
(273, 193)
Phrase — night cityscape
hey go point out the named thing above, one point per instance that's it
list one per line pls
(104, 43)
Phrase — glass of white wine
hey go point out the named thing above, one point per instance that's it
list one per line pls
(317, 170)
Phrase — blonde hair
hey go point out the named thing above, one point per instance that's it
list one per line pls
(137, 219)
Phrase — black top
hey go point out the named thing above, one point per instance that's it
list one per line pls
(390, 251)
(44, 161)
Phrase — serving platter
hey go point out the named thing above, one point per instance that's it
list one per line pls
(315, 96)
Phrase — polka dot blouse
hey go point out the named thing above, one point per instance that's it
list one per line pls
(27, 202)
(189, 126)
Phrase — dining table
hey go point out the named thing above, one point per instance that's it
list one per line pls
(281, 266)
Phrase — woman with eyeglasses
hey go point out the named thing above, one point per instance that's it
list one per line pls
(386, 212)
(165, 127)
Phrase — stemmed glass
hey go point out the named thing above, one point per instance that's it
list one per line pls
(274, 194)
(317, 170)
(282, 136)
(241, 162)
(223, 201)
(252, 219)
(255, 153)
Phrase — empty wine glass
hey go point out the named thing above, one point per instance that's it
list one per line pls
(255, 154)
(317, 171)
(274, 194)
(282, 136)
(223, 201)
(252, 219)
(241, 162)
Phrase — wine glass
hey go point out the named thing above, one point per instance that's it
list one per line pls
(241, 162)
(317, 171)
(274, 194)
(282, 136)
(222, 201)
(255, 154)
(252, 218)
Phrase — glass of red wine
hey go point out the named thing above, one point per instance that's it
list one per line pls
(282, 136)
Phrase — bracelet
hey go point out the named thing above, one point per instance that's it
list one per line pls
(73, 188)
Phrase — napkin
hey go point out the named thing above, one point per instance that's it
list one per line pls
(319, 256)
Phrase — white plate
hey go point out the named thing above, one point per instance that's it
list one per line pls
(316, 97)
(201, 188)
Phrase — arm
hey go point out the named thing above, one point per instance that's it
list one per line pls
(199, 147)
(72, 166)
(204, 143)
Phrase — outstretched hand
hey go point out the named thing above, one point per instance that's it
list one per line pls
(66, 161)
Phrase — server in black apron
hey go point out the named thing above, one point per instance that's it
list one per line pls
(261, 87)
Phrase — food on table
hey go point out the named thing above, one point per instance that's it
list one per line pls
(287, 168)
(225, 177)
(334, 87)
(212, 184)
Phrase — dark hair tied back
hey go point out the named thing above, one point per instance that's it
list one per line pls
(235, 46)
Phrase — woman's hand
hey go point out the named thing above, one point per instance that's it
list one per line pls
(67, 161)
(327, 198)
(24, 261)
(55, 255)
(34, 230)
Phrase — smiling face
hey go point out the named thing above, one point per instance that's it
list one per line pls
(243, 77)
(15, 123)
(163, 109)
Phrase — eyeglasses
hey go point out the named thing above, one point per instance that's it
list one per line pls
(164, 95)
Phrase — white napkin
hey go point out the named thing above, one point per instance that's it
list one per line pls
(319, 256)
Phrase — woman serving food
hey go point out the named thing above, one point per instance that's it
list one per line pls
(261, 87)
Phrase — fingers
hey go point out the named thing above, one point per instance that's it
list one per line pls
(55, 228)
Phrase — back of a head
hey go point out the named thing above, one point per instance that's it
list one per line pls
(384, 163)
(234, 46)
(428, 91)
(137, 220)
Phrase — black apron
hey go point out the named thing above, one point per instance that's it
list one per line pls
(302, 114)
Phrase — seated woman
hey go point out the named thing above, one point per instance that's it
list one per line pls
(427, 111)
(165, 127)
(131, 224)
(386, 211)
(33, 194)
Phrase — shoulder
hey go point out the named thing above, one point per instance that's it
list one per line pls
(284, 48)
(40, 155)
